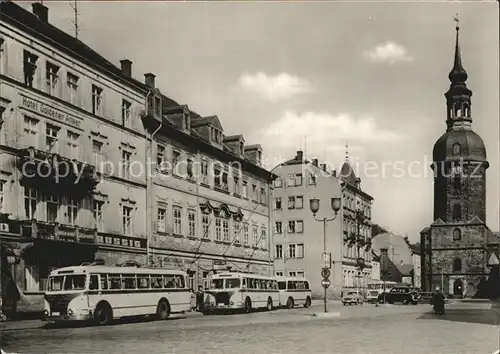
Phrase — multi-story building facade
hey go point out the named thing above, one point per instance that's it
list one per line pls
(210, 196)
(456, 247)
(357, 227)
(69, 140)
(297, 236)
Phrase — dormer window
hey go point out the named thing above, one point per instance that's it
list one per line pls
(30, 60)
(185, 118)
(242, 150)
(456, 149)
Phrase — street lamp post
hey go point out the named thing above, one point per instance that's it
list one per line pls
(325, 272)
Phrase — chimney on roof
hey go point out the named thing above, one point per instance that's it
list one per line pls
(323, 166)
(41, 11)
(149, 80)
(126, 67)
(315, 162)
(300, 156)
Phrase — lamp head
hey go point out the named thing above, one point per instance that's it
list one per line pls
(314, 205)
(336, 203)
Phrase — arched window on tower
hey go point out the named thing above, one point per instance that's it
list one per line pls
(466, 110)
(457, 265)
(457, 212)
(458, 109)
(457, 235)
(456, 149)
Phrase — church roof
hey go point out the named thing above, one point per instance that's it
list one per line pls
(347, 174)
(472, 147)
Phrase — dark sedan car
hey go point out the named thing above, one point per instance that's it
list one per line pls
(404, 295)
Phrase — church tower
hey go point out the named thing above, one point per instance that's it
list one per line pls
(453, 247)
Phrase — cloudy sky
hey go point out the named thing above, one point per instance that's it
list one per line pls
(314, 75)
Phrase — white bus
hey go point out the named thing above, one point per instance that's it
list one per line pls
(376, 287)
(294, 291)
(240, 291)
(103, 293)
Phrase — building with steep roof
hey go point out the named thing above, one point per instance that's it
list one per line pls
(298, 237)
(96, 165)
(455, 248)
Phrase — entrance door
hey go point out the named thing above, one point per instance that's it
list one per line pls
(458, 286)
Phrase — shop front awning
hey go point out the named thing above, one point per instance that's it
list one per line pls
(55, 251)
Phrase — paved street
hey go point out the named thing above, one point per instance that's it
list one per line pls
(363, 329)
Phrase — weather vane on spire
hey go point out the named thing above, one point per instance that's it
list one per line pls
(457, 20)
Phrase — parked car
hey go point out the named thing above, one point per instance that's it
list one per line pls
(404, 295)
(353, 298)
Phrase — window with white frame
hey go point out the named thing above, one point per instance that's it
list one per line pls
(300, 250)
(255, 235)
(52, 78)
(98, 216)
(245, 234)
(29, 67)
(301, 274)
(255, 194)
(292, 248)
(299, 202)
(204, 171)
(30, 202)
(160, 158)
(237, 186)
(292, 274)
(189, 168)
(279, 252)
(236, 231)
(72, 211)
(224, 184)
(72, 84)
(126, 112)
(31, 131)
(218, 229)
(278, 182)
(277, 203)
(263, 237)
(291, 227)
(177, 214)
(125, 163)
(127, 219)
(96, 100)
(244, 189)
(279, 274)
(225, 230)
(73, 145)
(205, 221)
(295, 179)
(52, 204)
(291, 202)
(161, 219)
(312, 179)
(176, 158)
(299, 226)
(98, 153)
(191, 223)
(278, 227)
(51, 137)
(263, 196)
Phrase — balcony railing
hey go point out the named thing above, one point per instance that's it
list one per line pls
(38, 166)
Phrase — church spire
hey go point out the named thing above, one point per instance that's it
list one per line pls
(458, 97)
(457, 75)
(346, 152)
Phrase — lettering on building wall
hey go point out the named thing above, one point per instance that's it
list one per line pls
(50, 112)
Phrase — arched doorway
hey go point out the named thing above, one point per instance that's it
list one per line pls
(458, 287)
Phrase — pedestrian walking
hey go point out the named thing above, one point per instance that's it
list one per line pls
(199, 299)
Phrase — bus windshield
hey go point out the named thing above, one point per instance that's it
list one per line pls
(231, 283)
(67, 282)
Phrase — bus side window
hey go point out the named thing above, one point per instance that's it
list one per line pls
(104, 282)
(128, 281)
(168, 281)
(290, 285)
(156, 282)
(94, 282)
(179, 281)
(115, 281)
(244, 283)
(143, 281)
(306, 285)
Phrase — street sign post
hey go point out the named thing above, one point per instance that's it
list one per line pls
(325, 273)
(327, 260)
(326, 283)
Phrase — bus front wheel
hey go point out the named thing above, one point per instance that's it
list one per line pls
(290, 303)
(162, 311)
(308, 302)
(103, 314)
(269, 304)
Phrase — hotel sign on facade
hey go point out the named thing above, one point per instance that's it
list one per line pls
(48, 111)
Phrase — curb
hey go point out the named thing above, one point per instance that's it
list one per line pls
(326, 315)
